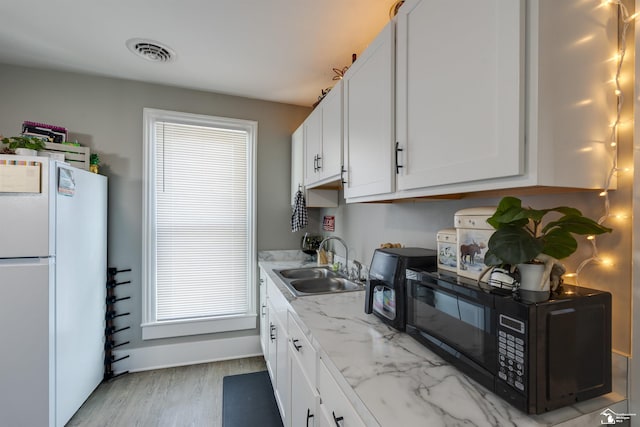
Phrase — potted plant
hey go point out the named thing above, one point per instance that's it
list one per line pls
(522, 240)
(94, 162)
(24, 145)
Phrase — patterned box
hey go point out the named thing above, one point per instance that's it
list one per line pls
(473, 233)
(447, 249)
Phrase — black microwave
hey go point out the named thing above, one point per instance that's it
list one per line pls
(537, 356)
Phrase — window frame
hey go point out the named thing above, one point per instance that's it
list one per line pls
(151, 328)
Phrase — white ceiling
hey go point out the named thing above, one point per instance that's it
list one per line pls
(277, 50)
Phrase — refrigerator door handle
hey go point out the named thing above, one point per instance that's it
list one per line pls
(34, 261)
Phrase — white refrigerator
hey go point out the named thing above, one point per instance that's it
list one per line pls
(53, 250)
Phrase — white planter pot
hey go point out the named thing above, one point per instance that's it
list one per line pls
(531, 288)
(26, 152)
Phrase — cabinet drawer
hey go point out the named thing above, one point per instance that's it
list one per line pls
(333, 402)
(278, 301)
(302, 350)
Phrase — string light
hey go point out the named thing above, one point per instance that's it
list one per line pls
(607, 262)
(619, 57)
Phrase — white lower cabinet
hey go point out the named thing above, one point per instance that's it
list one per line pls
(282, 384)
(326, 419)
(264, 323)
(277, 361)
(275, 337)
(335, 409)
(306, 393)
(302, 350)
(305, 400)
(270, 352)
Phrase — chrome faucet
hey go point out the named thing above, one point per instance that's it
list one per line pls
(346, 251)
(356, 272)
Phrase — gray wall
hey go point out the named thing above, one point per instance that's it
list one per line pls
(106, 115)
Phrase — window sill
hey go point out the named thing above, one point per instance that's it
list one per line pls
(183, 328)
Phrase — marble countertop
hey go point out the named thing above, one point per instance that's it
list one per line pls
(392, 380)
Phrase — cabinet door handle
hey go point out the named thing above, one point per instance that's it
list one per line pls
(337, 420)
(315, 163)
(309, 415)
(263, 311)
(296, 345)
(272, 331)
(397, 165)
(342, 172)
(319, 164)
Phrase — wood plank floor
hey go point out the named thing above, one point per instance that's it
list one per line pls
(172, 397)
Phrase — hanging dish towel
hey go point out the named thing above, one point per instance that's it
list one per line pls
(299, 217)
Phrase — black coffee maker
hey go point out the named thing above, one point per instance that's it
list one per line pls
(386, 290)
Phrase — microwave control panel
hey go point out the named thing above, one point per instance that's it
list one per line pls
(511, 352)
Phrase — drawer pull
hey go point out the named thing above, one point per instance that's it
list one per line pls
(272, 333)
(309, 415)
(296, 345)
(337, 420)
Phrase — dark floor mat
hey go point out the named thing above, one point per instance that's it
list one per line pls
(248, 400)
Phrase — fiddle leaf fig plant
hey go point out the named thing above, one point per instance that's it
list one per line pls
(520, 236)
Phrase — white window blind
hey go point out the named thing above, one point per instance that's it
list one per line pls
(199, 260)
(201, 221)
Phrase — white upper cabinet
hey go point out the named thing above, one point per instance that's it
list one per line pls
(315, 198)
(571, 101)
(492, 95)
(323, 140)
(330, 164)
(460, 77)
(369, 131)
(312, 127)
(297, 162)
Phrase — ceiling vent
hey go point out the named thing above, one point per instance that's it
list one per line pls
(151, 50)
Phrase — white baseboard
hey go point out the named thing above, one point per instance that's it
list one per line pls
(191, 353)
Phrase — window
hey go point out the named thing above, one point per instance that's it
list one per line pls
(199, 224)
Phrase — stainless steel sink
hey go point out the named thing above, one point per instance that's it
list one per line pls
(306, 273)
(324, 285)
(315, 281)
